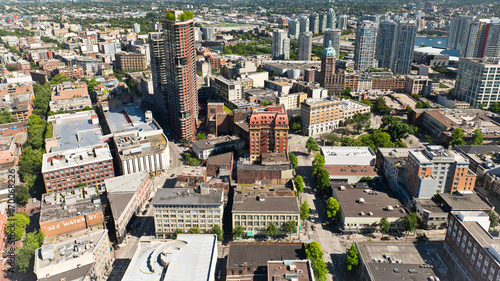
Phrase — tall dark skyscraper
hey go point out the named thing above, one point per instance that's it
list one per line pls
(157, 53)
(385, 43)
(395, 44)
(180, 65)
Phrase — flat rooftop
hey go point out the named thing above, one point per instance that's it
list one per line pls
(125, 183)
(133, 144)
(74, 130)
(374, 202)
(192, 171)
(221, 159)
(258, 254)
(465, 202)
(117, 120)
(342, 155)
(76, 157)
(397, 261)
(391, 152)
(266, 204)
(71, 203)
(284, 270)
(189, 257)
(185, 196)
(274, 158)
(438, 154)
(215, 142)
(62, 257)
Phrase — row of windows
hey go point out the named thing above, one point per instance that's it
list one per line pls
(268, 217)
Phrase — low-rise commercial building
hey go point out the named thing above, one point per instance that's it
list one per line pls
(73, 72)
(248, 261)
(227, 90)
(126, 196)
(417, 84)
(130, 61)
(349, 164)
(292, 100)
(87, 257)
(66, 212)
(274, 169)
(362, 208)
(255, 213)
(182, 208)
(189, 257)
(203, 148)
(218, 165)
(350, 107)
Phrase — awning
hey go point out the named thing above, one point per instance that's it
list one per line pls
(249, 233)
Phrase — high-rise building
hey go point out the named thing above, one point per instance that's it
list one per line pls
(405, 43)
(322, 22)
(304, 24)
(364, 51)
(268, 131)
(330, 18)
(136, 27)
(294, 28)
(385, 43)
(436, 170)
(334, 36)
(492, 40)
(456, 34)
(281, 45)
(180, 64)
(478, 81)
(328, 78)
(472, 40)
(342, 22)
(310, 110)
(207, 33)
(314, 23)
(305, 46)
(157, 53)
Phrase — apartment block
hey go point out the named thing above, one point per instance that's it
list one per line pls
(130, 61)
(182, 208)
(435, 170)
(350, 107)
(227, 90)
(478, 81)
(291, 101)
(268, 128)
(74, 72)
(418, 84)
(255, 213)
(473, 252)
(320, 116)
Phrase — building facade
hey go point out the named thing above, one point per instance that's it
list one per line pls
(268, 130)
(281, 45)
(364, 49)
(478, 81)
(130, 61)
(182, 85)
(182, 208)
(319, 116)
(305, 46)
(334, 36)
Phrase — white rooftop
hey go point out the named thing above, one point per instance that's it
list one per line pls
(343, 155)
(125, 183)
(191, 257)
(75, 157)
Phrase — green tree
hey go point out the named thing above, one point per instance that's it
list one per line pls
(419, 104)
(384, 225)
(194, 230)
(295, 125)
(201, 136)
(456, 137)
(494, 107)
(427, 105)
(351, 258)
(217, 231)
(367, 102)
(332, 207)
(311, 145)
(6, 117)
(361, 121)
(299, 184)
(381, 106)
(410, 222)
(477, 137)
(31, 242)
(290, 227)
(388, 120)
(22, 194)
(294, 160)
(318, 164)
(177, 232)
(315, 255)
(323, 181)
(304, 210)
(347, 91)
(266, 103)
(399, 130)
(493, 219)
(238, 232)
(365, 179)
(272, 230)
(16, 225)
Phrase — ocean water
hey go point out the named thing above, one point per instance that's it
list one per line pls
(431, 41)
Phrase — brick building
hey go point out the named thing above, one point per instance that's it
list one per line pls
(49, 65)
(74, 72)
(130, 61)
(68, 90)
(219, 163)
(268, 128)
(65, 212)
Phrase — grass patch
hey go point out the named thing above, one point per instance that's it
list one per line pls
(227, 109)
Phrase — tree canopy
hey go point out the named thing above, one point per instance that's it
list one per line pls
(311, 145)
(456, 137)
(290, 227)
(299, 184)
(217, 231)
(272, 230)
(332, 207)
(238, 232)
(477, 137)
(304, 210)
(294, 160)
(315, 255)
(318, 163)
(384, 225)
(16, 225)
(410, 222)
(323, 180)
(361, 121)
(351, 258)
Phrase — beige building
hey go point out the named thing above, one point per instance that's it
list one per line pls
(291, 101)
(350, 107)
(85, 256)
(320, 116)
(130, 61)
(418, 84)
(182, 208)
(256, 213)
